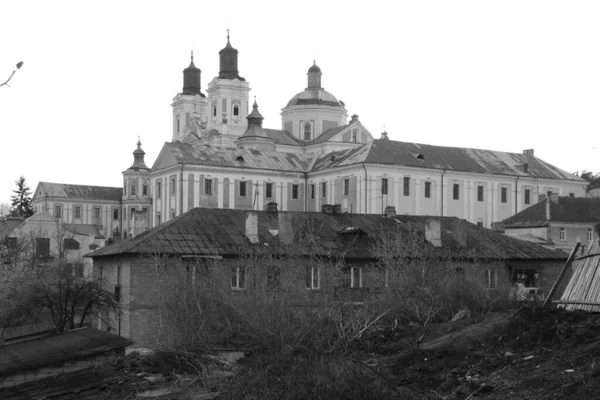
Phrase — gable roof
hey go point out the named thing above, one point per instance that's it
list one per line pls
(199, 154)
(7, 225)
(282, 137)
(385, 151)
(49, 350)
(328, 134)
(562, 209)
(83, 192)
(221, 232)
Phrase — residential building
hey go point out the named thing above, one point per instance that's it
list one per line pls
(253, 252)
(557, 222)
(220, 156)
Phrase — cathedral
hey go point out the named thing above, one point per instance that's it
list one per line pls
(221, 156)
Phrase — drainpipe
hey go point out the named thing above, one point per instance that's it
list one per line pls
(366, 187)
(442, 196)
(306, 191)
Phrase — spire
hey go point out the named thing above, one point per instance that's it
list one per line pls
(314, 77)
(191, 79)
(229, 62)
(138, 157)
(254, 118)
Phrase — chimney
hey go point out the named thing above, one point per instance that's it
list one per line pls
(528, 152)
(390, 211)
(433, 232)
(337, 208)
(459, 233)
(548, 214)
(252, 227)
(327, 209)
(272, 207)
(354, 119)
(286, 232)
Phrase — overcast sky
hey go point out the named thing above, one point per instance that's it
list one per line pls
(499, 75)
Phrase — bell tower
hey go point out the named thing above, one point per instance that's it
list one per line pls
(228, 96)
(189, 106)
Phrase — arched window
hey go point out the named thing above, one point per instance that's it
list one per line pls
(236, 110)
(307, 131)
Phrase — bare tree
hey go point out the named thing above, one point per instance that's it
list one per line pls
(19, 65)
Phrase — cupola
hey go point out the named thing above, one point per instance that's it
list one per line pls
(314, 77)
(138, 158)
(191, 79)
(255, 136)
(228, 68)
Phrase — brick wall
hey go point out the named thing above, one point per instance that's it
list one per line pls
(60, 368)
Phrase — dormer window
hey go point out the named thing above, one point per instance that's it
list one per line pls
(240, 159)
(307, 131)
(236, 110)
(354, 136)
(214, 111)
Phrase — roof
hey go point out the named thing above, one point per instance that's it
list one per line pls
(222, 232)
(199, 154)
(49, 350)
(562, 209)
(282, 137)
(7, 225)
(314, 96)
(84, 192)
(383, 151)
(328, 134)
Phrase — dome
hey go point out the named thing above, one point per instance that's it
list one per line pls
(314, 69)
(314, 96)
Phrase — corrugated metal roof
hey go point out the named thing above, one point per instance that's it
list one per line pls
(383, 151)
(88, 192)
(70, 345)
(564, 209)
(222, 232)
(195, 153)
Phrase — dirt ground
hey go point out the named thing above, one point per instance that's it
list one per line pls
(532, 353)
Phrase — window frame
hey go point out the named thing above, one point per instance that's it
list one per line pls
(208, 186)
(77, 212)
(324, 189)
(312, 191)
(480, 191)
(238, 277)
(307, 132)
(295, 191)
(352, 278)
(97, 212)
(269, 190)
(456, 191)
(562, 234)
(491, 279)
(503, 194)
(242, 188)
(346, 186)
(384, 186)
(406, 186)
(58, 210)
(527, 194)
(313, 278)
(427, 188)
(173, 182)
(158, 188)
(590, 234)
(115, 216)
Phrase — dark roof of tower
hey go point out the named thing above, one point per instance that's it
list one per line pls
(314, 68)
(138, 158)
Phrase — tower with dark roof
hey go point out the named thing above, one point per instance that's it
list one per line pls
(137, 200)
(255, 136)
(189, 106)
(228, 97)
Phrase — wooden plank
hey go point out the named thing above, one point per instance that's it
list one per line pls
(587, 303)
(562, 272)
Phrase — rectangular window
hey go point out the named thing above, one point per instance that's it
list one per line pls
(384, 186)
(346, 187)
(115, 213)
(427, 190)
(527, 196)
(173, 191)
(157, 219)
(491, 278)
(58, 211)
(238, 277)
(273, 277)
(479, 193)
(133, 185)
(355, 277)
(354, 136)
(312, 191)
(172, 213)
(42, 247)
(208, 187)
(503, 195)
(77, 212)
(242, 188)
(323, 189)
(269, 190)
(294, 191)
(158, 189)
(455, 191)
(562, 234)
(70, 244)
(312, 278)
(145, 189)
(407, 186)
(590, 235)
(97, 212)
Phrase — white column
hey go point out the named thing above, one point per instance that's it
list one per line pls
(284, 196)
(220, 193)
(261, 196)
(231, 193)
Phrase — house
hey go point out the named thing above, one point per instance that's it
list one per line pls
(221, 156)
(46, 238)
(49, 356)
(312, 258)
(557, 222)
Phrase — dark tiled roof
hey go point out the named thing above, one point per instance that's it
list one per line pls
(383, 151)
(196, 153)
(282, 137)
(328, 134)
(564, 209)
(87, 192)
(49, 350)
(222, 232)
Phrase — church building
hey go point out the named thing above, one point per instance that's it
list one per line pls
(221, 156)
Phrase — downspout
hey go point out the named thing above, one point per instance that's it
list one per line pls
(442, 193)
(306, 191)
(366, 187)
